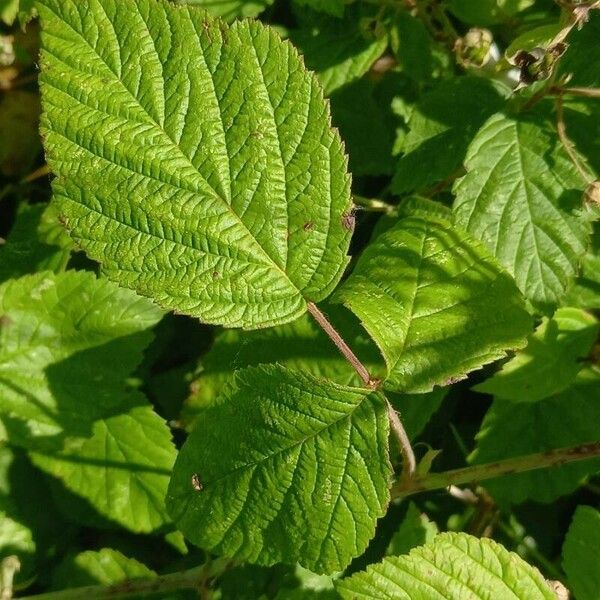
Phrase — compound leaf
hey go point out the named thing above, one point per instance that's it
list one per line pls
(512, 429)
(197, 164)
(436, 302)
(454, 566)
(581, 553)
(550, 361)
(286, 468)
(522, 197)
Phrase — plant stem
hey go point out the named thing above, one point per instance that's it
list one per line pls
(373, 204)
(184, 580)
(561, 129)
(408, 456)
(337, 339)
(578, 91)
(477, 473)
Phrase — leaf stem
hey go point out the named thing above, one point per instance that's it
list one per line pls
(184, 580)
(477, 473)
(337, 339)
(408, 456)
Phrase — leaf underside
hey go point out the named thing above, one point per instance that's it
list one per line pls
(194, 160)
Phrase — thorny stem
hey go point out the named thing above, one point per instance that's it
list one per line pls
(477, 473)
(397, 428)
(184, 580)
(561, 129)
(337, 339)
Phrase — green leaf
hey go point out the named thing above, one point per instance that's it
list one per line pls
(198, 165)
(122, 468)
(435, 302)
(550, 361)
(582, 119)
(105, 566)
(581, 554)
(569, 418)
(339, 50)
(286, 468)
(412, 46)
(585, 291)
(67, 344)
(230, 9)
(332, 7)
(487, 12)
(446, 118)
(522, 197)
(415, 530)
(35, 243)
(11, 10)
(455, 566)
(583, 54)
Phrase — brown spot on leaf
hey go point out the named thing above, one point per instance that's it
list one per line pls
(196, 483)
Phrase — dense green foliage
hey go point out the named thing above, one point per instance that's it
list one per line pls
(269, 268)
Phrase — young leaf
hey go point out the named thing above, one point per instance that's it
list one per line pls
(581, 553)
(104, 566)
(436, 303)
(415, 530)
(286, 468)
(550, 361)
(569, 418)
(522, 197)
(454, 566)
(230, 9)
(447, 117)
(197, 164)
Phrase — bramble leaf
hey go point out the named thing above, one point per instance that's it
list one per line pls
(198, 164)
(105, 566)
(338, 50)
(511, 429)
(581, 553)
(550, 361)
(522, 197)
(415, 530)
(436, 303)
(447, 117)
(285, 468)
(583, 54)
(454, 566)
(67, 344)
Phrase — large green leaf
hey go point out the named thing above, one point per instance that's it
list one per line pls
(454, 566)
(67, 345)
(194, 160)
(581, 553)
(436, 302)
(286, 468)
(447, 119)
(509, 429)
(550, 361)
(522, 197)
(230, 9)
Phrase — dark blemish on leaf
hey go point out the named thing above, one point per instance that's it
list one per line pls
(216, 275)
(196, 484)
(5, 321)
(308, 225)
(349, 220)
